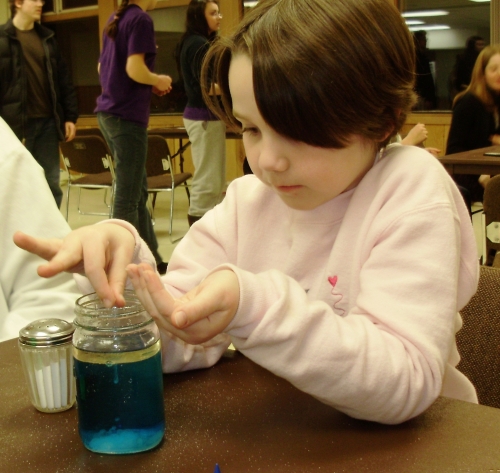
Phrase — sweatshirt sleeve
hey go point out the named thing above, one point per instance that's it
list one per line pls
(385, 359)
(26, 204)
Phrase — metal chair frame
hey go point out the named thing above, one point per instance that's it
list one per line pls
(89, 156)
(160, 174)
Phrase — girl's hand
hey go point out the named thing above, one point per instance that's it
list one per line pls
(105, 250)
(164, 83)
(434, 151)
(416, 136)
(495, 139)
(196, 317)
(159, 92)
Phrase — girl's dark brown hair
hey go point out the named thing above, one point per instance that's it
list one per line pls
(478, 85)
(323, 70)
(112, 28)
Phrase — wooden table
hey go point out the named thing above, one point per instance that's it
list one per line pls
(180, 133)
(472, 162)
(246, 419)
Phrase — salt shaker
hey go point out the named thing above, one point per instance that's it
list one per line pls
(46, 352)
(119, 377)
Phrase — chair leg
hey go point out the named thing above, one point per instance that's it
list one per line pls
(171, 211)
(67, 200)
(106, 196)
(79, 195)
(152, 206)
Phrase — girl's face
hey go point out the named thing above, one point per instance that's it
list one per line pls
(213, 16)
(492, 73)
(303, 176)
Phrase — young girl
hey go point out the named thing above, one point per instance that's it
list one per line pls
(125, 70)
(206, 133)
(340, 265)
(475, 120)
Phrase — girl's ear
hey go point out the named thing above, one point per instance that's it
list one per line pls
(387, 134)
(390, 132)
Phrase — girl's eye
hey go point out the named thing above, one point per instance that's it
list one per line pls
(249, 130)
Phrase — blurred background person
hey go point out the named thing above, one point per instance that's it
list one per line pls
(475, 118)
(424, 81)
(38, 100)
(207, 133)
(466, 60)
(126, 74)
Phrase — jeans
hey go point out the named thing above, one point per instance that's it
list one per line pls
(42, 141)
(128, 143)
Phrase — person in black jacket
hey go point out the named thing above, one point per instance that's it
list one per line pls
(424, 81)
(37, 97)
(475, 119)
(206, 132)
(466, 60)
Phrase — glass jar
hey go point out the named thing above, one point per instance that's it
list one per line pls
(46, 357)
(119, 380)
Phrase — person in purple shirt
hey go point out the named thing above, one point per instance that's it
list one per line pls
(125, 69)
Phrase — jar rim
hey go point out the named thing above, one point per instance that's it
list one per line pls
(90, 305)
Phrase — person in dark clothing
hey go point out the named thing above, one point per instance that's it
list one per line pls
(475, 122)
(207, 133)
(466, 60)
(37, 97)
(424, 82)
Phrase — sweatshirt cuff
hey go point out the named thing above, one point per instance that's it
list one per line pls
(138, 240)
(256, 293)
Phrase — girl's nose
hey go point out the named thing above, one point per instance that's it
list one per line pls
(272, 156)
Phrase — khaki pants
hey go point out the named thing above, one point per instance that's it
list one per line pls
(208, 150)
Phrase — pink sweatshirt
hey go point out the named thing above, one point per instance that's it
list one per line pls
(355, 302)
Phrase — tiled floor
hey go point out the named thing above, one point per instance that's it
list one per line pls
(93, 200)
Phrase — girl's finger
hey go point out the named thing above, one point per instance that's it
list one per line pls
(160, 297)
(43, 247)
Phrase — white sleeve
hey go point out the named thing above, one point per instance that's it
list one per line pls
(27, 204)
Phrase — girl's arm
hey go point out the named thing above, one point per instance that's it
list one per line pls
(98, 255)
(138, 71)
(416, 136)
(378, 343)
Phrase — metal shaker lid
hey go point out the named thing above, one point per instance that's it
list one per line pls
(46, 332)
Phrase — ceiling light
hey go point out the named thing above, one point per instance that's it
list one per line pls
(429, 27)
(414, 22)
(479, 1)
(250, 4)
(414, 14)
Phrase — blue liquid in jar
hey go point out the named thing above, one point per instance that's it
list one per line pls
(120, 400)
